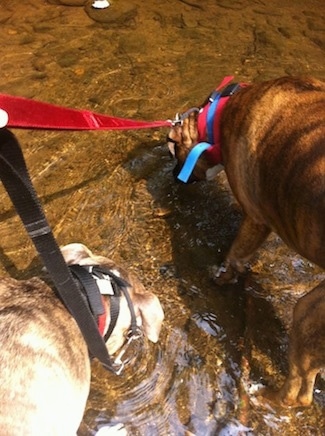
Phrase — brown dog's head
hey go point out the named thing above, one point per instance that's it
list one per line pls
(181, 140)
(147, 307)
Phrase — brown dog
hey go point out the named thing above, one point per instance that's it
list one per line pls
(44, 362)
(270, 138)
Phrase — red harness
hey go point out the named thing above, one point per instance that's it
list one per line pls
(212, 115)
(101, 319)
(209, 128)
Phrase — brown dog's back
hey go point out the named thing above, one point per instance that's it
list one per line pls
(273, 147)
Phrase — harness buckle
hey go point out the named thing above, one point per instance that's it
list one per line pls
(230, 90)
(214, 94)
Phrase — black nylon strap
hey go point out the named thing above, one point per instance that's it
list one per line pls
(230, 89)
(123, 285)
(114, 312)
(90, 289)
(94, 297)
(16, 180)
(117, 283)
(134, 327)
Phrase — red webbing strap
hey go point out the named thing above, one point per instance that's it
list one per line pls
(33, 114)
(16, 180)
(201, 122)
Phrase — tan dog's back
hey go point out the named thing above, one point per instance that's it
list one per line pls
(44, 360)
(40, 345)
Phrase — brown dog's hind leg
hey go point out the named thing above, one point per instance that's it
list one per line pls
(249, 238)
(306, 348)
(298, 389)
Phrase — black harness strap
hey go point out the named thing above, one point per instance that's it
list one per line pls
(16, 180)
(121, 285)
(114, 313)
(85, 276)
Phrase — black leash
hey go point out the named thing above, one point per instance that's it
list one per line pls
(16, 180)
(89, 289)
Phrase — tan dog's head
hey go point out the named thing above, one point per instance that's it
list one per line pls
(148, 310)
(182, 138)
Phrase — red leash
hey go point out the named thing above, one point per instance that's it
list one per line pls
(24, 113)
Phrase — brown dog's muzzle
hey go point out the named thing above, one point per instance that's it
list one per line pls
(172, 145)
(184, 173)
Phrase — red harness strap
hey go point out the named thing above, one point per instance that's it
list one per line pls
(101, 320)
(33, 114)
(213, 153)
(202, 119)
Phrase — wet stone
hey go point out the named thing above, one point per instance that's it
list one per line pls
(5, 16)
(68, 58)
(118, 14)
(231, 5)
(69, 2)
(189, 21)
(27, 38)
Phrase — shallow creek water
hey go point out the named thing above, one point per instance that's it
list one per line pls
(114, 191)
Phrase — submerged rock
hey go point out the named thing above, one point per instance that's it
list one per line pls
(118, 14)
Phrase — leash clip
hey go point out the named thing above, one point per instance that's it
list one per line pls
(179, 118)
(131, 336)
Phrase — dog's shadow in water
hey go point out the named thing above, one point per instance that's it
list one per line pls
(203, 220)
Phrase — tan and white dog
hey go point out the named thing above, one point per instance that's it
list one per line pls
(44, 361)
(270, 139)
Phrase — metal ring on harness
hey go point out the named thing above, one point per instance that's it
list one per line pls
(180, 118)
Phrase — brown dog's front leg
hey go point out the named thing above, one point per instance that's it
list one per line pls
(250, 236)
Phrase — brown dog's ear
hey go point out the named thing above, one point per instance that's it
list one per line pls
(171, 143)
(152, 315)
(174, 137)
(189, 131)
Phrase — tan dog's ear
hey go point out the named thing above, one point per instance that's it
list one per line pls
(77, 253)
(74, 253)
(152, 315)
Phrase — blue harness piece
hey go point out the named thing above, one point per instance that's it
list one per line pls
(191, 160)
(199, 148)
(215, 97)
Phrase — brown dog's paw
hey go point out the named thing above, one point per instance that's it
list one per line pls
(223, 274)
(280, 398)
